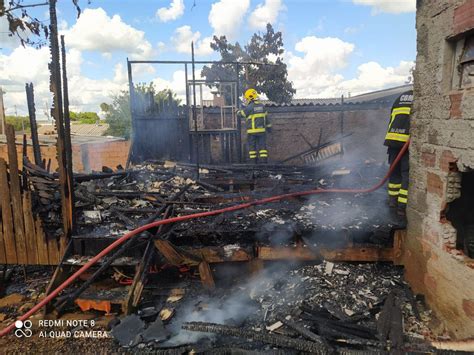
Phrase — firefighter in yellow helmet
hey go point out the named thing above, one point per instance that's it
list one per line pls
(257, 125)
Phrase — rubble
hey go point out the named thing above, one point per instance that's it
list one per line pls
(314, 306)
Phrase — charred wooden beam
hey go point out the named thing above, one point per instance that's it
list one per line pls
(205, 273)
(67, 138)
(272, 339)
(57, 114)
(16, 200)
(306, 333)
(390, 321)
(365, 254)
(62, 302)
(30, 98)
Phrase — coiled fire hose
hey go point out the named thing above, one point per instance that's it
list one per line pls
(145, 227)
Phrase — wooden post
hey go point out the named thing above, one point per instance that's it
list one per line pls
(57, 113)
(2, 112)
(7, 218)
(15, 191)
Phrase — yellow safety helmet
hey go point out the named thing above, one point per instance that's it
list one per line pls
(251, 94)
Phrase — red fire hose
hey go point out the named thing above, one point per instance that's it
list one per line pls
(141, 229)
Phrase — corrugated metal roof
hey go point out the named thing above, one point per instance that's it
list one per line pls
(94, 130)
(374, 96)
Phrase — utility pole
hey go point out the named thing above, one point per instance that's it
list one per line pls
(2, 111)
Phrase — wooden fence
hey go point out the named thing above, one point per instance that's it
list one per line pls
(22, 237)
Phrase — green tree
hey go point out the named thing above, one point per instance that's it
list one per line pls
(266, 48)
(118, 116)
(16, 122)
(84, 117)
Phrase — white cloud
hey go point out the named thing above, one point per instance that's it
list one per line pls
(264, 13)
(389, 6)
(372, 76)
(173, 12)
(27, 64)
(315, 72)
(226, 17)
(96, 31)
(178, 85)
(182, 38)
(352, 30)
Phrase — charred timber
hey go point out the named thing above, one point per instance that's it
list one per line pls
(305, 332)
(30, 98)
(272, 339)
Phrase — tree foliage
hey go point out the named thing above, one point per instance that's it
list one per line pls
(118, 114)
(84, 117)
(266, 48)
(16, 122)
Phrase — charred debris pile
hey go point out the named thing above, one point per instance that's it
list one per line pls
(128, 199)
(260, 279)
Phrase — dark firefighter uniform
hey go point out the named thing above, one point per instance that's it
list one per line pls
(256, 123)
(397, 135)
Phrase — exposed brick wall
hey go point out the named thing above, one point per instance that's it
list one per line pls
(441, 146)
(85, 157)
(463, 17)
(289, 127)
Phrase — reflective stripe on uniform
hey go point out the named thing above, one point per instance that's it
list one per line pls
(256, 130)
(402, 200)
(403, 192)
(394, 186)
(397, 137)
(252, 154)
(252, 119)
(393, 193)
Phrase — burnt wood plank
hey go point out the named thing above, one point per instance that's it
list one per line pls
(53, 251)
(41, 243)
(3, 257)
(206, 276)
(30, 231)
(345, 254)
(169, 252)
(7, 217)
(15, 191)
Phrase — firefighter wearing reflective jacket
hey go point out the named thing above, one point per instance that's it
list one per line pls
(257, 125)
(397, 135)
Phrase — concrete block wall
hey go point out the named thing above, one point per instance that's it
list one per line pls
(442, 146)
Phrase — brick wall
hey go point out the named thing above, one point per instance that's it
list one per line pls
(367, 124)
(85, 157)
(442, 147)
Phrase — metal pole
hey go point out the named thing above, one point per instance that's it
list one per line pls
(131, 99)
(342, 123)
(239, 126)
(196, 137)
(188, 116)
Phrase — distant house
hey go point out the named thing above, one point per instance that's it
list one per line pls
(77, 129)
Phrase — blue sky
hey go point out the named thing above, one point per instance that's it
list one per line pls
(332, 47)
